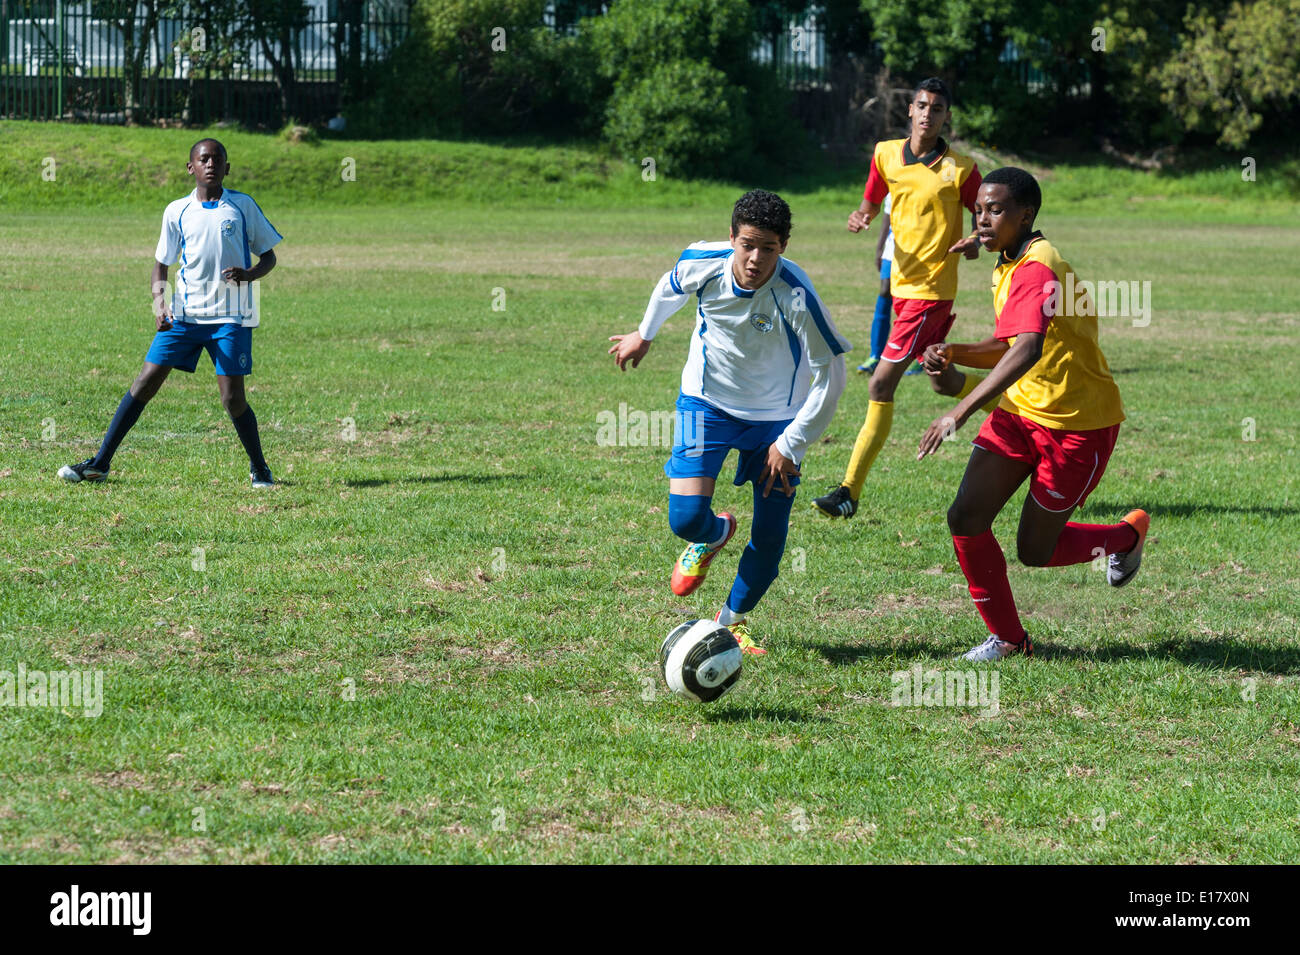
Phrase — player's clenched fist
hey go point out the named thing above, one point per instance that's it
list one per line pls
(631, 347)
(858, 220)
(937, 357)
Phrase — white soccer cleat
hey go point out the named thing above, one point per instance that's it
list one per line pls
(992, 650)
(1121, 568)
(85, 471)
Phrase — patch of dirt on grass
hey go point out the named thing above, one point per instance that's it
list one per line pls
(886, 605)
(137, 851)
(453, 586)
(853, 831)
(121, 779)
(262, 789)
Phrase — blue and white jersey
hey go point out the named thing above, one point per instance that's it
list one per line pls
(754, 354)
(208, 238)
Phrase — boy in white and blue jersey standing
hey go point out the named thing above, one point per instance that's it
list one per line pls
(764, 374)
(213, 232)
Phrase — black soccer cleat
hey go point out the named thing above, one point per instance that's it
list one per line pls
(261, 477)
(85, 471)
(837, 503)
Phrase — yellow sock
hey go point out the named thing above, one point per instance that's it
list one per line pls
(970, 384)
(880, 418)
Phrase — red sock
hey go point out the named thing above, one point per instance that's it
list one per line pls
(986, 572)
(1080, 543)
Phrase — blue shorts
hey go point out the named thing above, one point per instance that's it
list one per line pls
(229, 344)
(705, 435)
(884, 268)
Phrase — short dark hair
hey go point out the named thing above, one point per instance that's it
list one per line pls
(1022, 186)
(209, 139)
(763, 210)
(936, 86)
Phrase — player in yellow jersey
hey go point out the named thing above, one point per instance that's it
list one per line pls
(1056, 423)
(929, 184)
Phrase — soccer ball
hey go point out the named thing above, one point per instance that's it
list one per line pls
(700, 660)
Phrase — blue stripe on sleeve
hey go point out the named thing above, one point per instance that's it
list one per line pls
(672, 280)
(819, 318)
(704, 254)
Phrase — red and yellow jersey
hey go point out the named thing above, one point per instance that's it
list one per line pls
(926, 217)
(1070, 386)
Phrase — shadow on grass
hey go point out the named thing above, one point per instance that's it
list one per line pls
(740, 713)
(1226, 655)
(1190, 510)
(432, 479)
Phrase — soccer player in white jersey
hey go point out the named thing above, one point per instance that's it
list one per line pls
(214, 232)
(764, 374)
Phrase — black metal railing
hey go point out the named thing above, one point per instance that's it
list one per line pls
(125, 61)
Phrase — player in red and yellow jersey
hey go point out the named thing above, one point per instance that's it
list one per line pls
(1056, 423)
(929, 183)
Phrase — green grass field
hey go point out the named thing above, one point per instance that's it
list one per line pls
(436, 640)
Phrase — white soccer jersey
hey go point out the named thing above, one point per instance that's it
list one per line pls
(760, 355)
(207, 238)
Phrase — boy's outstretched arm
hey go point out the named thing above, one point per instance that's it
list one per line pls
(633, 346)
(1019, 358)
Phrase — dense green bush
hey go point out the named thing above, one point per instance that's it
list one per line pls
(684, 116)
(479, 67)
(684, 90)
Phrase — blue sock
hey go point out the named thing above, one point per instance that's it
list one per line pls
(761, 560)
(880, 325)
(691, 518)
(246, 425)
(128, 412)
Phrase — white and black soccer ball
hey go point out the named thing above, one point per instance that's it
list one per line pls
(700, 660)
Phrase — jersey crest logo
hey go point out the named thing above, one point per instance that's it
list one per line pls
(948, 169)
(761, 322)
(243, 359)
(228, 227)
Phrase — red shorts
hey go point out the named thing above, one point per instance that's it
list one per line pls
(918, 324)
(1067, 464)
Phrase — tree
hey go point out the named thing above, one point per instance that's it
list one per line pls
(137, 22)
(274, 25)
(1226, 75)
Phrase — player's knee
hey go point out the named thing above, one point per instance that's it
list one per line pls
(235, 405)
(1033, 554)
(146, 385)
(690, 516)
(880, 389)
(769, 541)
(963, 521)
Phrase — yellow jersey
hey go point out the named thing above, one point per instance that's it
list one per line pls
(1070, 387)
(926, 217)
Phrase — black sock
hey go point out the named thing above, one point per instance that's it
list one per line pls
(127, 412)
(246, 425)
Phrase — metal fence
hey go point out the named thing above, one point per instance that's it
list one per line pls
(798, 53)
(123, 60)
